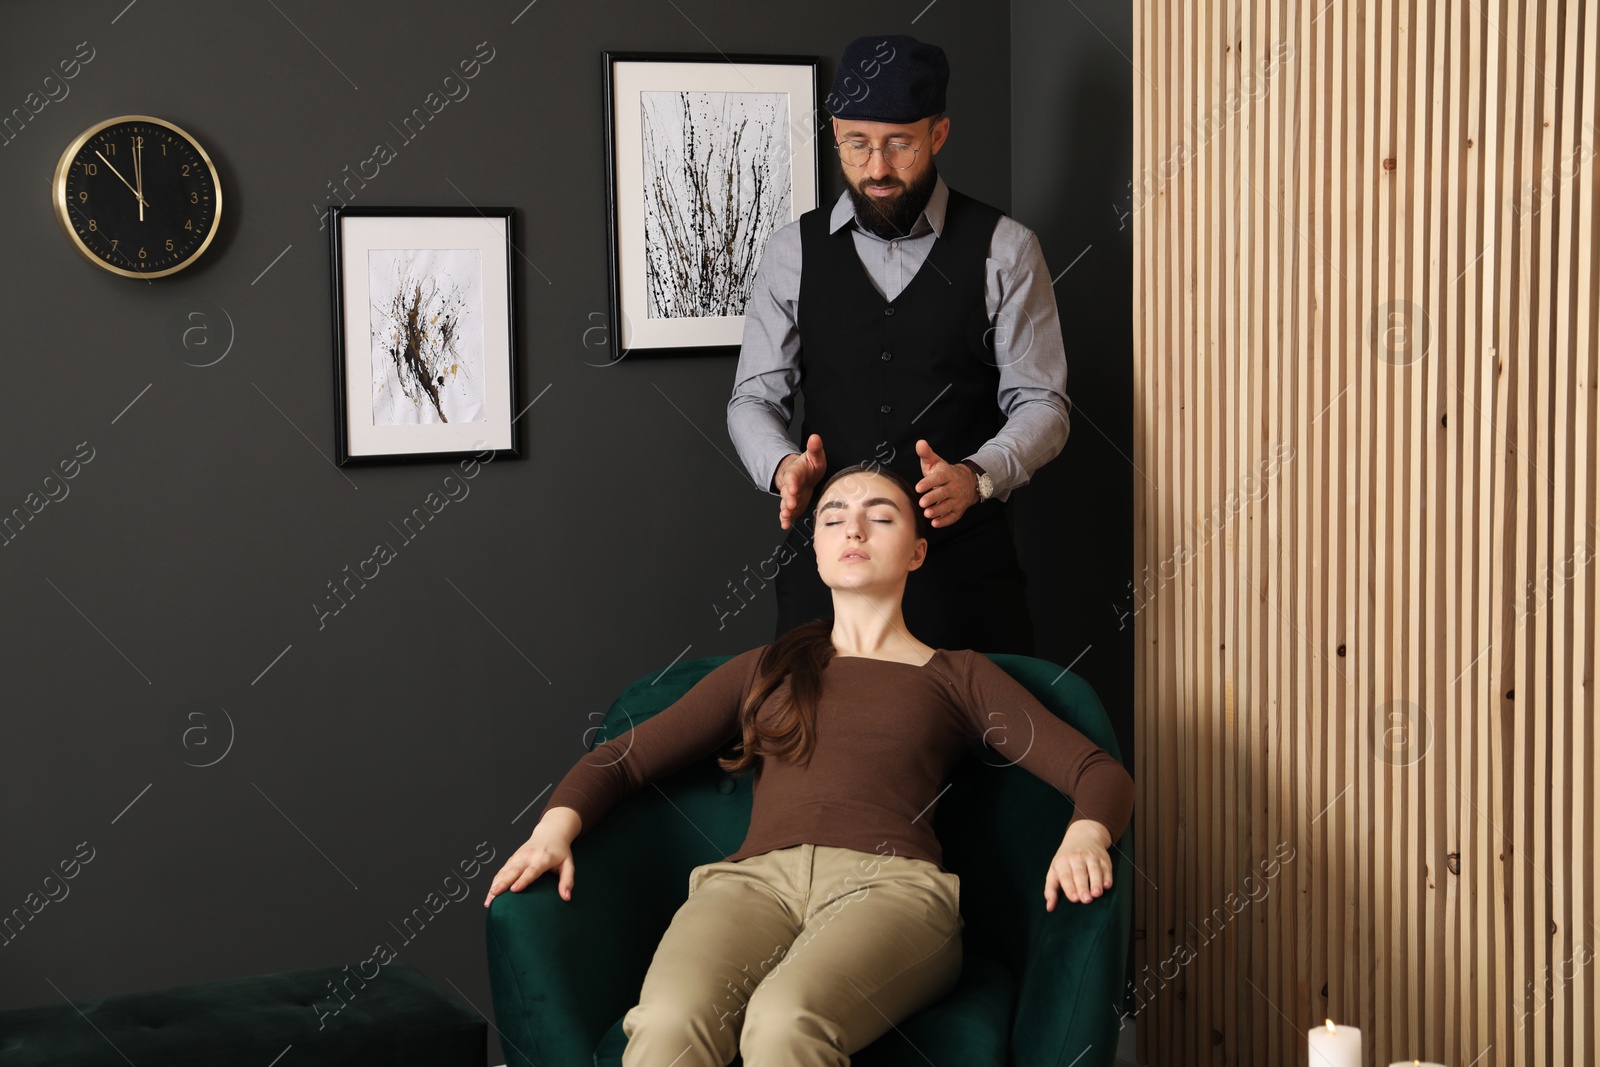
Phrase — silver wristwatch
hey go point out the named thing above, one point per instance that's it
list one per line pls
(985, 483)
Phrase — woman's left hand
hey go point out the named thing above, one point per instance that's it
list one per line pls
(1082, 865)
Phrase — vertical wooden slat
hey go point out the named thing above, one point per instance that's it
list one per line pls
(1287, 610)
(1305, 894)
(1471, 860)
(1203, 987)
(1168, 685)
(1209, 474)
(1152, 848)
(1184, 206)
(1249, 694)
(1169, 39)
(1524, 364)
(1224, 816)
(1585, 631)
(1498, 710)
(1543, 359)
(1563, 693)
(1378, 648)
(1457, 225)
(1345, 810)
(1147, 723)
(1454, 986)
(1279, 606)
(1298, 771)
(1409, 490)
(1485, 272)
(1432, 752)
(1438, 758)
(1265, 738)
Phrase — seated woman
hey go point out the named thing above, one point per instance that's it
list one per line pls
(835, 919)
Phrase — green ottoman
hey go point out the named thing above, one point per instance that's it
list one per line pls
(397, 1018)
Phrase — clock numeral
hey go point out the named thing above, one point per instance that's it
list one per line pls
(111, 146)
(169, 244)
(188, 224)
(93, 225)
(163, 149)
(113, 244)
(138, 141)
(91, 168)
(141, 252)
(83, 197)
(186, 170)
(194, 198)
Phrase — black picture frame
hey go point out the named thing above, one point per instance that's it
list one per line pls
(703, 335)
(358, 440)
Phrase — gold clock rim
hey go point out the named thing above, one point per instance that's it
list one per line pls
(59, 195)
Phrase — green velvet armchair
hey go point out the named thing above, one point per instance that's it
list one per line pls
(1037, 988)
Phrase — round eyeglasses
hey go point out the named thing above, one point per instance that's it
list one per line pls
(897, 155)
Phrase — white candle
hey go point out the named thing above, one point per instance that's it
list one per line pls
(1334, 1046)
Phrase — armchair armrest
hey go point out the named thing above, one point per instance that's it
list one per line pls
(562, 972)
(1070, 1007)
(554, 965)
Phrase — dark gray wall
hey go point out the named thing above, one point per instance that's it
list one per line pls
(172, 586)
(1072, 161)
(1072, 76)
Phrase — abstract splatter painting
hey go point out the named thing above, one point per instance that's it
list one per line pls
(427, 335)
(716, 185)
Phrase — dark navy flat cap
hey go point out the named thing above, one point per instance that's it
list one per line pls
(889, 78)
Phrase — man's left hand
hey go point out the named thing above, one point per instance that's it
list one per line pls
(948, 489)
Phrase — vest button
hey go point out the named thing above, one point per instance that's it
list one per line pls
(888, 311)
(888, 355)
(726, 786)
(893, 245)
(884, 409)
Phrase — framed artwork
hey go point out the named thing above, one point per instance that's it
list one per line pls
(424, 337)
(706, 156)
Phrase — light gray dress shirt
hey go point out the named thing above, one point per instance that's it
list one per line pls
(1022, 313)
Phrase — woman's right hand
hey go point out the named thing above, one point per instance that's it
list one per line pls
(549, 847)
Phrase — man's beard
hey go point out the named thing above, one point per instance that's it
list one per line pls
(893, 216)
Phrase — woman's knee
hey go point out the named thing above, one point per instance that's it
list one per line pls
(776, 1027)
(840, 1017)
(674, 1025)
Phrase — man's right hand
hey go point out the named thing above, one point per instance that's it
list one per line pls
(549, 847)
(798, 475)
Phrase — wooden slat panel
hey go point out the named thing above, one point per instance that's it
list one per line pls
(1366, 304)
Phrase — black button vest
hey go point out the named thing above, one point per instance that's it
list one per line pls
(878, 374)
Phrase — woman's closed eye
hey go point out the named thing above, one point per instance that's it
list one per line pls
(835, 522)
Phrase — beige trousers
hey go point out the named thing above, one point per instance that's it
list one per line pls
(797, 957)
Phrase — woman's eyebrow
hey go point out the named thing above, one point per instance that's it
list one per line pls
(836, 503)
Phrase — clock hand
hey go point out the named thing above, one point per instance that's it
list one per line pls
(118, 173)
(138, 175)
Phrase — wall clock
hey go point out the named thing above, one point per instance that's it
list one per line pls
(138, 196)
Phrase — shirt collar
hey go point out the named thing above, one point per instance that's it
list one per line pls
(932, 217)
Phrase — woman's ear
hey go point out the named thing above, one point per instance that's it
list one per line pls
(919, 554)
